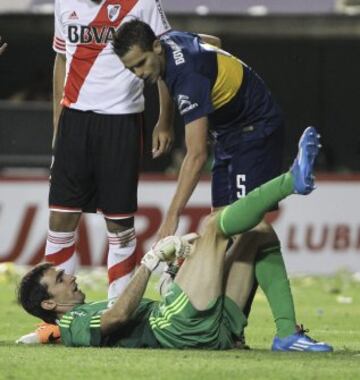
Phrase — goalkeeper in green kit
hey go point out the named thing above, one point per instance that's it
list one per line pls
(202, 308)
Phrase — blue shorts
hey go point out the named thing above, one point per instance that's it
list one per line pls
(245, 166)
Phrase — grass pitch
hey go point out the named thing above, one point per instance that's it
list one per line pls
(329, 306)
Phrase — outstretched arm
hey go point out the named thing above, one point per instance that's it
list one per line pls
(124, 307)
(195, 158)
(122, 310)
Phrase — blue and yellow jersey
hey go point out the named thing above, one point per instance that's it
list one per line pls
(207, 81)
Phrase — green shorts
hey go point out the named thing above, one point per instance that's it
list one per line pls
(177, 324)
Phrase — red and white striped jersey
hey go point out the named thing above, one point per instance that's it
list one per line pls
(96, 80)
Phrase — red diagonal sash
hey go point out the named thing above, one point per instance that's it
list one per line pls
(86, 54)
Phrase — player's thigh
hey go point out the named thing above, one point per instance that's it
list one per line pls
(255, 163)
(239, 273)
(117, 166)
(71, 181)
(201, 275)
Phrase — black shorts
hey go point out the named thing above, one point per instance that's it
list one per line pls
(245, 166)
(96, 163)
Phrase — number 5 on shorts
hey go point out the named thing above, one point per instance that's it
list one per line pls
(240, 185)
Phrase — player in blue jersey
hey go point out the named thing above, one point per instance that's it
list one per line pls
(219, 97)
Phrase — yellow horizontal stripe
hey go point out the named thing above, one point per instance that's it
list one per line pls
(229, 79)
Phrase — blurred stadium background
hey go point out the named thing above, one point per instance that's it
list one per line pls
(307, 51)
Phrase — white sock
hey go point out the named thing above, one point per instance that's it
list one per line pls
(121, 260)
(60, 250)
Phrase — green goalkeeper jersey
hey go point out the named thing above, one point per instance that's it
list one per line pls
(80, 327)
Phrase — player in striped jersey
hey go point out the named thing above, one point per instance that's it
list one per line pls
(203, 307)
(97, 140)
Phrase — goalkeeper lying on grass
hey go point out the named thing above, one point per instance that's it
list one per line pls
(202, 308)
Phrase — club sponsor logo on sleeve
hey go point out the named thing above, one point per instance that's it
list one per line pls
(185, 105)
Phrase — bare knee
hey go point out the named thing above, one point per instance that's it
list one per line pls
(211, 224)
(63, 221)
(119, 225)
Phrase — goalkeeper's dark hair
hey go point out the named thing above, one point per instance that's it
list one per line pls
(132, 33)
(31, 293)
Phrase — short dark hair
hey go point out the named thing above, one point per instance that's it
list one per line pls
(31, 293)
(132, 33)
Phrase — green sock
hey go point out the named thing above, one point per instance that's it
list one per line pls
(271, 275)
(247, 212)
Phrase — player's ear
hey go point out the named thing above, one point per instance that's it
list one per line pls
(157, 48)
(48, 304)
